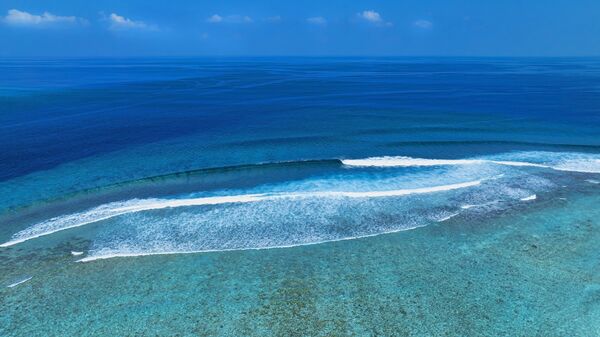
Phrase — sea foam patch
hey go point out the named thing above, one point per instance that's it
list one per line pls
(341, 205)
(571, 162)
(282, 222)
(529, 198)
(112, 210)
(274, 223)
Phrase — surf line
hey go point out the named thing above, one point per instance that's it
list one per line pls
(19, 282)
(448, 217)
(112, 210)
(589, 165)
(529, 198)
(416, 162)
(138, 254)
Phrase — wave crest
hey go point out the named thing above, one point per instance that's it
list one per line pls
(320, 202)
(112, 210)
(580, 163)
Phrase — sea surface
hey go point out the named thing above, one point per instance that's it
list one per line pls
(300, 197)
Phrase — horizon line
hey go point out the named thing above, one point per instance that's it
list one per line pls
(298, 56)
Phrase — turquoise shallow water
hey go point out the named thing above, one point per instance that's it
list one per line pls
(528, 272)
(333, 197)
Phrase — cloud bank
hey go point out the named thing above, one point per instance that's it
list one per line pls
(16, 17)
(373, 17)
(118, 22)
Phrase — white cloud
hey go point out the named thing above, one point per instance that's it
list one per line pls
(118, 22)
(21, 18)
(374, 18)
(371, 16)
(423, 24)
(216, 18)
(317, 20)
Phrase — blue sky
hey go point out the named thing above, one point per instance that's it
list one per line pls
(324, 27)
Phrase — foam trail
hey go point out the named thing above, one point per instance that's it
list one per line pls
(391, 193)
(582, 165)
(74, 253)
(517, 163)
(402, 161)
(110, 256)
(529, 198)
(471, 206)
(448, 217)
(112, 210)
(19, 282)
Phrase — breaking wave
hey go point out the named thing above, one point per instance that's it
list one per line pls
(112, 210)
(320, 202)
(580, 163)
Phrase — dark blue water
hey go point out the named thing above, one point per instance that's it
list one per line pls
(104, 160)
(54, 112)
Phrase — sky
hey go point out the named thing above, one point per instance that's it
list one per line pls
(116, 28)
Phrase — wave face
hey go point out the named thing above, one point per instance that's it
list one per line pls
(362, 197)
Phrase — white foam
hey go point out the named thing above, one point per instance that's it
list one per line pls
(583, 165)
(74, 253)
(470, 206)
(592, 181)
(393, 193)
(531, 197)
(517, 163)
(137, 254)
(401, 161)
(112, 210)
(448, 217)
(19, 282)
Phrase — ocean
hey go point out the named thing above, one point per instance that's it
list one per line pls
(300, 196)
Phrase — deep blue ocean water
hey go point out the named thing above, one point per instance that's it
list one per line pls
(409, 196)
